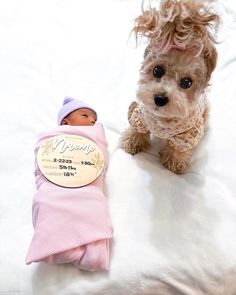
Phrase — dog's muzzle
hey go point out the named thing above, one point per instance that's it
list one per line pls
(160, 100)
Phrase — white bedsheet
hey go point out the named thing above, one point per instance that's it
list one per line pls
(173, 234)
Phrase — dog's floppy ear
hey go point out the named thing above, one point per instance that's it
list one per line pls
(210, 57)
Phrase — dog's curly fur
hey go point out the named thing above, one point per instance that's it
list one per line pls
(174, 76)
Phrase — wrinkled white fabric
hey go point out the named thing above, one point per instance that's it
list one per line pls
(172, 234)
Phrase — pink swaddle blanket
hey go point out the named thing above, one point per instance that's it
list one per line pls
(72, 225)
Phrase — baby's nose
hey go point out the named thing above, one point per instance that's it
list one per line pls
(160, 100)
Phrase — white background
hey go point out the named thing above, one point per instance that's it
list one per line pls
(175, 231)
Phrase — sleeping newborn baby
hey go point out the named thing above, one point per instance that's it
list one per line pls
(71, 222)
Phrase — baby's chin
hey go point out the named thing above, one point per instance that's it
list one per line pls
(79, 124)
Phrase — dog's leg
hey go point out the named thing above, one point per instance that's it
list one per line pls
(174, 160)
(134, 142)
(206, 118)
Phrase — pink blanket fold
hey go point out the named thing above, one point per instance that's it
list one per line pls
(72, 225)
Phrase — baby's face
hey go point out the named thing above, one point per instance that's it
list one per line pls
(81, 117)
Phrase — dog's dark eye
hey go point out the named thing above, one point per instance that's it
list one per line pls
(186, 83)
(158, 72)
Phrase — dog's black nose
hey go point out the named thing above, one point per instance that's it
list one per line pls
(160, 100)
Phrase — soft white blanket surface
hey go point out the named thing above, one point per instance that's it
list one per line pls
(172, 234)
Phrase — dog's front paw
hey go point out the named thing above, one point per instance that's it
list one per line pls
(132, 106)
(133, 142)
(175, 161)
